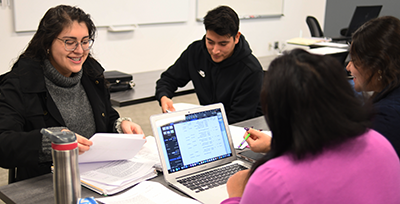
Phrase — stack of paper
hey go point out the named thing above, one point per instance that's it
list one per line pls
(306, 41)
(326, 50)
(149, 153)
(111, 166)
(332, 44)
(109, 178)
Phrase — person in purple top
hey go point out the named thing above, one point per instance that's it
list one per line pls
(322, 148)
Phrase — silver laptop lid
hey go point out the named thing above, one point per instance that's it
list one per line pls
(192, 140)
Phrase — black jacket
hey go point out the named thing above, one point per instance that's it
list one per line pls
(236, 82)
(387, 116)
(26, 107)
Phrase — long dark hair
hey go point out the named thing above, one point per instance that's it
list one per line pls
(309, 105)
(376, 46)
(51, 25)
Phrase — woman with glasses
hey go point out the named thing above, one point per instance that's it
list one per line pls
(56, 84)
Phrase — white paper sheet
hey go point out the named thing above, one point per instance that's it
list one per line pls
(148, 192)
(112, 146)
(326, 50)
(184, 106)
(114, 172)
(110, 177)
(149, 152)
(332, 44)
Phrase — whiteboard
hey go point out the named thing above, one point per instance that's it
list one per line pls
(244, 8)
(27, 13)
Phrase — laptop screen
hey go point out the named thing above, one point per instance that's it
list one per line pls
(195, 139)
(361, 15)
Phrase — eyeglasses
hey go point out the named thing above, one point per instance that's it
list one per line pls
(71, 45)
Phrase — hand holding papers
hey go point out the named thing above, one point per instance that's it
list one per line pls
(112, 146)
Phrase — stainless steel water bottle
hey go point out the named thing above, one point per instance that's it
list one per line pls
(66, 178)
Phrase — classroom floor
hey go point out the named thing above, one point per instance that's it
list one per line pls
(3, 179)
(140, 114)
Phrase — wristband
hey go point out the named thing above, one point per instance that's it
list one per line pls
(118, 123)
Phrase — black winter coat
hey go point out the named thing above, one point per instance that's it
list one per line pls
(26, 106)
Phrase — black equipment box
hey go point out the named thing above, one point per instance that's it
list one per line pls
(118, 81)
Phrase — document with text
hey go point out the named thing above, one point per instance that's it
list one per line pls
(149, 152)
(133, 163)
(108, 178)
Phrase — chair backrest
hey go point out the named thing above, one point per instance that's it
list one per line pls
(315, 28)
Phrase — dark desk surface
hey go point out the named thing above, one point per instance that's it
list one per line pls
(145, 86)
(144, 90)
(257, 123)
(40, 189)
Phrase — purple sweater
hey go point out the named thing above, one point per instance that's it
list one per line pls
(363, 170)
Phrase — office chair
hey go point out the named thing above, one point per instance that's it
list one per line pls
(315, 28)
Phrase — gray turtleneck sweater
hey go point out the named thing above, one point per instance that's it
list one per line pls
(71, 100)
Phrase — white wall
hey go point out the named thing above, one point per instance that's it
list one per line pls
(154, 47)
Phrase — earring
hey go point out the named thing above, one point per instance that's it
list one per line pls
(48, 51)
(380, 75)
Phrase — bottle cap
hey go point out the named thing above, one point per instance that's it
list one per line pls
(88, 200)
(59, 137)
(61, 140)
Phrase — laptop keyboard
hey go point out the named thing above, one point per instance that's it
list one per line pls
(210, 179)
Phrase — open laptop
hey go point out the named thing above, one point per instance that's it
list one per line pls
(194, 142)
(361, 15)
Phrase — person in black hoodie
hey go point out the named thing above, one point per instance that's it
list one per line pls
(221, 67)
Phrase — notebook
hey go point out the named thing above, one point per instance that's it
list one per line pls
(193, 143)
